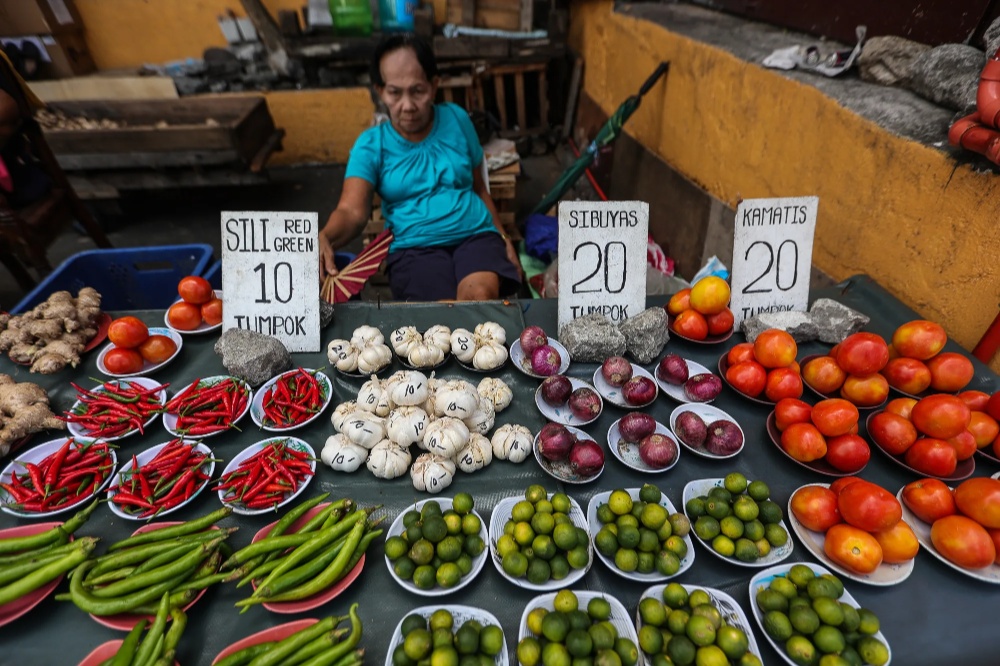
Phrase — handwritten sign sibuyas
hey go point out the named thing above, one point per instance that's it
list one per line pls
(772, 255)
(270, 276)
(602, 259)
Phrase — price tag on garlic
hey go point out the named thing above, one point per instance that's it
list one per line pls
(602, 259)
(772, 255)
(270, 276)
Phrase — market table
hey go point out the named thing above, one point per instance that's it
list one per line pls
(936, 616)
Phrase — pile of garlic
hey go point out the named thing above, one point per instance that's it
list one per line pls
(448, 419)
(365, 353)
(483, 349)
(422, 351)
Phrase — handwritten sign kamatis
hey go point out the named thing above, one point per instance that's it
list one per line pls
(270, 276)
(602, 259)
(772, 255)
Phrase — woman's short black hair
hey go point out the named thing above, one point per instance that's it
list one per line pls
(392, 42)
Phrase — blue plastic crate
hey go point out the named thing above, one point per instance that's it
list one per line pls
(135, 278)
(214, 273)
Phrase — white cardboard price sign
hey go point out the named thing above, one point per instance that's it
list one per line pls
(772, 255)
(270, 275)
(602, 259)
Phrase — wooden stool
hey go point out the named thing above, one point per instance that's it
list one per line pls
(514, 75)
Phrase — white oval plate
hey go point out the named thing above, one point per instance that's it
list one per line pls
(563, 414)
(731, 611)
(145, 383)
(478, 562)
(170, 420)
(144, 458)
(676, 391)
(922, 530)
(764, 578)
(519, 359)
(561, 470)
(298, 444)
(619, 615)
(257, 404)
(700, 487)
(202, 327)
(36, 455)
(595, 526)
(708, 414)
(501, 514)
(628, 454)
(885, 574)
(460, 614)
(147, 368)
(613, 394)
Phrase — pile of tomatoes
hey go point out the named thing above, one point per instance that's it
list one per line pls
(134, 346)
(702, 309)
(852, 369)
(965, 524)
(917, 364)
(863, 523)
(198, 304)
(828, 431)
(766, 366)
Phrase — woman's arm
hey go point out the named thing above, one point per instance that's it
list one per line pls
(346, 222)
(479, 187)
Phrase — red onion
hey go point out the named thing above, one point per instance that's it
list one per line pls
(585, 403)
(724, 438)
(545, 360)
(672, 369)
(636, 425)
(555, 442)
(556, 390)
(658, 451)
(616, 370)
(532, 338)
(639, 390)
(703, 387)
(586, 458)
(690, 429)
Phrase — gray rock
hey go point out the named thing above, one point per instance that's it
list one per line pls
(992, 38)
(798, 324)
(325, 313)
(835, 320)
(645, 334)
(252, 356)
(889, 60)
(948, 75)
(592, 339)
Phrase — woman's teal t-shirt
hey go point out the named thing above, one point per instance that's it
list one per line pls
(426, 187)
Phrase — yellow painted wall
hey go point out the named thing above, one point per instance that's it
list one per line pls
(924, 228)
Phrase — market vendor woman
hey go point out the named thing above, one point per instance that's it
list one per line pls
(426, 165)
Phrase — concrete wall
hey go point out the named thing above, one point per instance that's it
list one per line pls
(905, 214)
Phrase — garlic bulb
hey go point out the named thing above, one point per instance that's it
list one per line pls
(366, 336)
(364, 429)
(424, 355)
(410, 389)
(482, 419)
(477, 454)
(456, 398)
(335, 348)
(373, 358)
(387, 460)
(403, 338)
(343, 455)
(347, 360)
(489, 356)
(343, 411)
(439, 336)
(512, 442)
(446, 437)
(463, 345)
(497, 391)
(370, 395)
(491, 332)
(432, 473)
(406, 425)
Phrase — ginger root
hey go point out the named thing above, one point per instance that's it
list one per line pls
(24, 410)
(54, 333)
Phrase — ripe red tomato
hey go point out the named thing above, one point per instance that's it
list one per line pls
(211, 312)
(976, 400)
(984, 428)
(742, 352)
(866, 391)
(995, 535)
(940, 416)
(920, 339)
(842, 483)
(815, 507)
(782, 383)
(691, 324)
(122, 361)
(862, 354)
(157, 348)
(929, 499)
(834, 416)
(748, 377)
(775, 348)
(931, 456)
(868, 506)
(901, 406)
(963, 541)
(720, 322)
(127, 332)
(979, 499)
(184, 316)
(892, 432)
(195, 290)
(950, 372)
(847, 453)
(679, 302)
(899, 543)
(823, 374)
(789, 411)
(964, 444)
(907, 374)
(803, 442)
(853, 548)
(993, 406)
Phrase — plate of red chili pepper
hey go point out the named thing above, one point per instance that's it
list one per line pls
(267, 475)
(115, 409)
(147, 367)
(55, 477)
(161, 479)
(291, 400)
(207, 407)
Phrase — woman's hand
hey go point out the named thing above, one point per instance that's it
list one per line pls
(513, 257)
(327, 266)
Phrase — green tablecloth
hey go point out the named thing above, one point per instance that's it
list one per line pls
(937, 616)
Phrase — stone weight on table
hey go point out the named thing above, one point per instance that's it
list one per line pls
(645, 334)
(592, 339)
(836, 321)
(799, 325)
(251, 356)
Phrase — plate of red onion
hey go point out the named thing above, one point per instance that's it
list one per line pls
(625, 384)
(685, 380)
(641, 442)
(568, 454)
(568, 401)
(707, 431)
(537, 355)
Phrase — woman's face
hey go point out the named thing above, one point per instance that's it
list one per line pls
(407, 93)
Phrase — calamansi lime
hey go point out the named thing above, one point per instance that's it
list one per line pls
(675, 596)
(535, 493)
(529, 651)
(599, 609)
(417, 644)
(620, 502)
(560, 503)
(491, 640)
(522, 512)
(523, 534)
(565, 601)
(735, 483)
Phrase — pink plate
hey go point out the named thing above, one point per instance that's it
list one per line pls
(273, 634)
(102, 653)
(125, 621)
(15, 609)
(285, 607)
(709, 340)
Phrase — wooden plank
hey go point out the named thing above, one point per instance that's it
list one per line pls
(154, 160)
(498, 89)
(103, 87)
(497, 19)
(527, 18)
(500, 191)
(574, 94)
(522, 112)
(468, 12)
(470, 47)
(543, 99)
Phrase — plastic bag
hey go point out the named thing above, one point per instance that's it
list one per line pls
(712, 267)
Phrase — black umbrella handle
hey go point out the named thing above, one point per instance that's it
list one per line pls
(653, 78)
